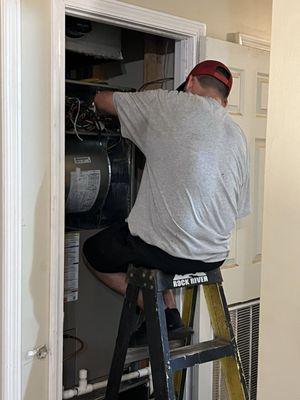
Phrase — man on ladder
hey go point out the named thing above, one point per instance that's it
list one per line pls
(194, 186)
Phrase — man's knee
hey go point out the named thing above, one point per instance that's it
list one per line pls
(89, 251)
(97, 256)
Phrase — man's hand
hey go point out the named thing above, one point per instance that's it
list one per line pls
(104, 102)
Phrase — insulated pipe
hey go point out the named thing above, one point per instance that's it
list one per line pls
(84, 387)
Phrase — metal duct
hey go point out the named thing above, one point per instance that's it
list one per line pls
(100, 41)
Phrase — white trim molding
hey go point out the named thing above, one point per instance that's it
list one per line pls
(142, 19)
(250, 41)
(57, 199)
(11, 234)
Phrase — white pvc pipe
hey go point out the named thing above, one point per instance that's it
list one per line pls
(151, 389)
(84, 387)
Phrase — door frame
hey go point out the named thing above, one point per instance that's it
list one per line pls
(186, 32)
(10, 199)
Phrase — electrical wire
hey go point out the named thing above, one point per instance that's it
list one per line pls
(77, 351)
(82, 116)
(76, 119)
(109, 148)
(166, 59)
(161, 80)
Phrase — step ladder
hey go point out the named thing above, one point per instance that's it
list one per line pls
(165, 362)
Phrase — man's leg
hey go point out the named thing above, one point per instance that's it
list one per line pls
(108, 254)
(117, 281)
(169, 299)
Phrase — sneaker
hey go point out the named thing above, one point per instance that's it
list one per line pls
(176, 329)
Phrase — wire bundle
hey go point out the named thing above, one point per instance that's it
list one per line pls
(82, 117)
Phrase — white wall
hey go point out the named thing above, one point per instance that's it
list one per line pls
(36, 190)
(221, 16)
(280, 312)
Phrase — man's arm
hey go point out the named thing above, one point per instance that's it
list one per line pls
(133, 110)
(104, 102)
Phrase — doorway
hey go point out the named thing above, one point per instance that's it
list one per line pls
(137, 22)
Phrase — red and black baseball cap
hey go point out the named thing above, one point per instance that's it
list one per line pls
(212, 68)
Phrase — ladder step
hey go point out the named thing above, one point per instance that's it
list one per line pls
(141, 353)
(200, 353)
(186, 356)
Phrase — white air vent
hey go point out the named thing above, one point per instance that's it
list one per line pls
(245, 321)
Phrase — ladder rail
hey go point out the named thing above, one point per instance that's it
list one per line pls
(220, 320)
(188, 316)
(163, 361)
(127, 323)
(159, 350)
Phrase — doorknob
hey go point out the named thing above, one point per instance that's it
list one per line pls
(39, 352)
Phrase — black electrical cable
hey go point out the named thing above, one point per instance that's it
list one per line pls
(77, 351)
(109, 148)
(162, 80)
(81, 117)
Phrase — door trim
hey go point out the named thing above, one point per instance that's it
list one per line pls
(57, 216)
(187, 34)
(10, 197)
(115, 12)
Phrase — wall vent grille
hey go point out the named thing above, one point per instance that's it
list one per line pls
(245, 321)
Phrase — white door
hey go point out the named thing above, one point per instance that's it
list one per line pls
(248, 107)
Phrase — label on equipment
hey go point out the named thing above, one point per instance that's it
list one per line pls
(71, 266)
(84, 189)
(190, 279)
(82, 160)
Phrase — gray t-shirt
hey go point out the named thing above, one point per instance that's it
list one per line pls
(196, 178)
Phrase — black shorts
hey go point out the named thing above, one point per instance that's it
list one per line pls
(112, 249)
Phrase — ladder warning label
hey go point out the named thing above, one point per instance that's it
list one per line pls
(84, 189)
(71, 266)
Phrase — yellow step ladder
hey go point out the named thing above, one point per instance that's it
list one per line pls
(165, 362)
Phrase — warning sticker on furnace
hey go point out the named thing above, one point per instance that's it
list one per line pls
(82, 160)
(84, 189)
(71, 266)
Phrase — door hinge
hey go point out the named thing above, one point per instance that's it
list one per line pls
(39, 352)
